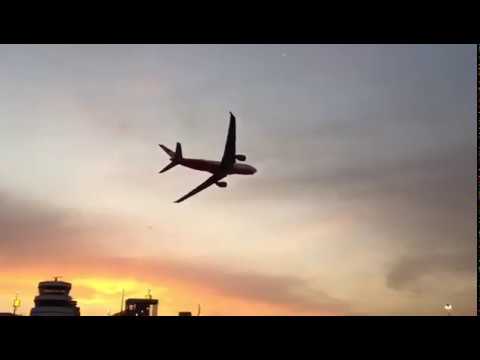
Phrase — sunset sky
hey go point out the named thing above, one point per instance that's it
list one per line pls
(364, 202)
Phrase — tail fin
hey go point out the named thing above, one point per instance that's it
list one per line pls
(178, 151)
(175, 157)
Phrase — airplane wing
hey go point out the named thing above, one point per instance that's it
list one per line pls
(210, 181)
(228, 158)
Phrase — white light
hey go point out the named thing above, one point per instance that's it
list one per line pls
(448, 307)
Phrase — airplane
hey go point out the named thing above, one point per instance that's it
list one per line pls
(218, 169)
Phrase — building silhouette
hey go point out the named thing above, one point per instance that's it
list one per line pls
(139, 307)
(54, 300)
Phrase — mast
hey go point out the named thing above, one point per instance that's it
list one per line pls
(123, 296)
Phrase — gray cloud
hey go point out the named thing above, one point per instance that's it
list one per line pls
(30, 228)
(410, 269)
(422, 203)
(434, 278)
(440, 182)
(291, 291)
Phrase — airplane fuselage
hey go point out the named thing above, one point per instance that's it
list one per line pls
(213, 167)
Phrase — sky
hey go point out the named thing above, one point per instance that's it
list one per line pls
(363, 203)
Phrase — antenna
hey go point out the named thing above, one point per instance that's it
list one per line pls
(123, 296)
(198, 313)
(149, 294)
(55, 278)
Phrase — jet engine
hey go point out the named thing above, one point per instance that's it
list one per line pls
(240, 157)
(221, 184)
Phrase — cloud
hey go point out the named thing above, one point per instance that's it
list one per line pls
(47, 240)
(433, 277)
(421, 201)
(32, 228)
(417, 206)
(410, 269)
(293, 294)
(290, 291)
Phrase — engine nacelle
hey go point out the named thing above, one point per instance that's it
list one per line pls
(221, 184)
(240, 157)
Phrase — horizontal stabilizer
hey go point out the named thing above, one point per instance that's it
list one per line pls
(175, 157)
(168, 167)
(167, 150)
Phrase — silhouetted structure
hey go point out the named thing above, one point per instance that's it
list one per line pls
(184, 313)
(7, 314)
(139, 307)
(54, 300)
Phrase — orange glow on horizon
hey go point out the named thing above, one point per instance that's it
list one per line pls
(99, 295)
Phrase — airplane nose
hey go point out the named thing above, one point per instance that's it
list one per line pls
(253, 170)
